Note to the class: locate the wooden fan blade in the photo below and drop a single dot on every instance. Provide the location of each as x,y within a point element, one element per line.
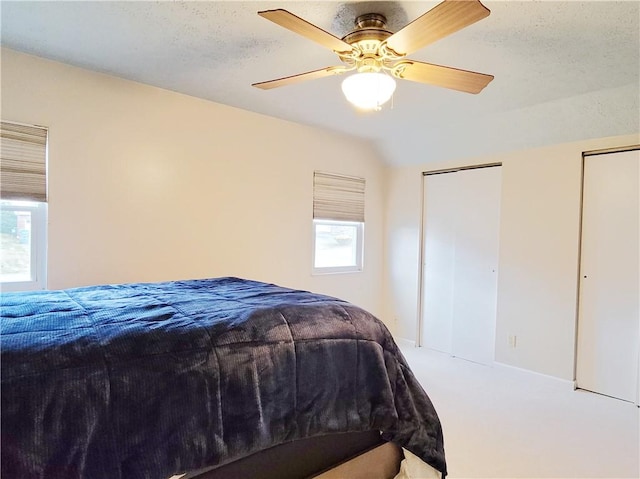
<point>297,25</point>
<point>324,72</point>
<point>442,20</point>
<point>447,77</point>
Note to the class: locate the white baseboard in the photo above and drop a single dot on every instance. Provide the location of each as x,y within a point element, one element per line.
<point>564,382</point>
<point>405,343</point>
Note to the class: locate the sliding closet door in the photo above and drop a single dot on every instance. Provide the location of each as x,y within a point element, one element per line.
<point>460,257</point>
<point>439,253</point>
<point>608,322</point>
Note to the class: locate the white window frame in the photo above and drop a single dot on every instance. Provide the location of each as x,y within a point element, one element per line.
<point>358,267</point>
<point>38,238</point>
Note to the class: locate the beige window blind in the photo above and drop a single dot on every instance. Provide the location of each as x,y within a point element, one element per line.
<point>23,162</point>
<point>337,197</point>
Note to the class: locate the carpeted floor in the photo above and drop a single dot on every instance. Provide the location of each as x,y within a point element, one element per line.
<point>507,423</point>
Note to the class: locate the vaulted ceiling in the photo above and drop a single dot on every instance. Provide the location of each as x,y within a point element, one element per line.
<point>564,71</point>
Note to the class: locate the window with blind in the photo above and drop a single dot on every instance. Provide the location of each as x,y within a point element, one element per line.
<point>23,206</point>
<point>338,223</point>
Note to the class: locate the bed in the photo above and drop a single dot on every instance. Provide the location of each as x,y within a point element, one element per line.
<point>152,380</point>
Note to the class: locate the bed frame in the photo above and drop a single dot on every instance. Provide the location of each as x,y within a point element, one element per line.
<point>325,457</point>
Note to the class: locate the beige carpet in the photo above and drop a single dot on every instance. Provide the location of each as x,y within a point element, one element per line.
<point>506,423</point>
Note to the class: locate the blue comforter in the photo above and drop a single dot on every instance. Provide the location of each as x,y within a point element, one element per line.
<point>149,380</point>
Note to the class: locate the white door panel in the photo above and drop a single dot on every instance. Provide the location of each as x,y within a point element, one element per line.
<point>475,285</point>
<point>609,324</point>
<point>462,211</point>
<point>439,259</point>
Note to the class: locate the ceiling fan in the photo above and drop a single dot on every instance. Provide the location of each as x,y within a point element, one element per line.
<point>378,55</point>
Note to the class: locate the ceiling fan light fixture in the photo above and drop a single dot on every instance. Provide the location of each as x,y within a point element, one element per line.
<point>368,90</point>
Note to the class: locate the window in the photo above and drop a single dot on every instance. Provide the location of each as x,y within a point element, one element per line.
<point>23,207</point>
<point>22,244</point>
<point>338,223</point>
<point>337,246</point>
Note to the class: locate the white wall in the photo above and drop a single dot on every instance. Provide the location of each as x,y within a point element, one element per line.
<point>538,265</point>
<point>148,185</point>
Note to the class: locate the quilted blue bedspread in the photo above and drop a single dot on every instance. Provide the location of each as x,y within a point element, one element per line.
<point>140,381</point>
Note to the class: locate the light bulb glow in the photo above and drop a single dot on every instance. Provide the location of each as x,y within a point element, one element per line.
<point>368,90</point>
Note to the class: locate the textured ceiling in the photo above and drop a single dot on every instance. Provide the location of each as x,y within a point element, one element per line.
<point>564,71</point>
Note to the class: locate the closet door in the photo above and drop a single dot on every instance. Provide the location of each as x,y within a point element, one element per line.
<point>460,257</point>
<point>608,319</point>
<point>439,253</point>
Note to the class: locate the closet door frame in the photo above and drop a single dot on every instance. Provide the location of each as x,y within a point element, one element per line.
<point>423,222</point>
<point>580,272</point>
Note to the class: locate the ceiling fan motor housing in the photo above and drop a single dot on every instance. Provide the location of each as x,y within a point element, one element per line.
<point>367,41</point>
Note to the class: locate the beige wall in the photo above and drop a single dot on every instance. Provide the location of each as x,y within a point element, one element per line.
<point>149,185</point>
<point>538,263</point>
